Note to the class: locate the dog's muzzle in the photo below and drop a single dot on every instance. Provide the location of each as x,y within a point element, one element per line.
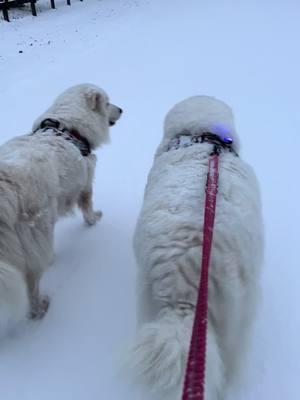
<point>115,115</point>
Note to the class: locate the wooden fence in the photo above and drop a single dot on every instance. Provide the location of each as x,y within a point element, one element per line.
<point>5,5</point>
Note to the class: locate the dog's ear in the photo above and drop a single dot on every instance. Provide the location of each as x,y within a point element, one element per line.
<point>94,100</point>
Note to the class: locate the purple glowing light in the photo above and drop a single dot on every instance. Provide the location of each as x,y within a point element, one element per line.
<point>227,139</point>
<point>223,132</point>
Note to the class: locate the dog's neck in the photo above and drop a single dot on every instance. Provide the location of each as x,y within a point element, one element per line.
<point>186,139</point>
<point>73,136</point>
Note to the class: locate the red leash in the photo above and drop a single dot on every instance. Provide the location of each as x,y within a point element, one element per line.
<point>195,372</point>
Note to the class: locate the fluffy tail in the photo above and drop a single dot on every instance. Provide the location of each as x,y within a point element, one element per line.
<point>160,353</point>
<point>14,301</point>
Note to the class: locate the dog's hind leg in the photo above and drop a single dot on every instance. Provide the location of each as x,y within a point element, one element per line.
<point>14,300</point>
<point>85,203</point>
<point>37,244</point>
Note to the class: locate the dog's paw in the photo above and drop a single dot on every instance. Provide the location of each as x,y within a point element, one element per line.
<point>39,310</point>
<point>92,218</point>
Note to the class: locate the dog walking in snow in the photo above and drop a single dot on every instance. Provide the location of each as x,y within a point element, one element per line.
<point>168,247</point>
<point>44,175</point>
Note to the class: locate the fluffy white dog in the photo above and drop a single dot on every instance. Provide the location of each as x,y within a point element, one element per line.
<point>44,175</point>
<point>168,247</point>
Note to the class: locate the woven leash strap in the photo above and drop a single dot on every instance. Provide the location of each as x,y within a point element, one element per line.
<point>194,384</point>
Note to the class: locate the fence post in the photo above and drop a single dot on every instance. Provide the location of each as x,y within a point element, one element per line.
<point>33,8</point>
<point>5,10</point>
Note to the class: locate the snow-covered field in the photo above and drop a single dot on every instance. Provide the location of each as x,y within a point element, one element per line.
<point>148,55</point>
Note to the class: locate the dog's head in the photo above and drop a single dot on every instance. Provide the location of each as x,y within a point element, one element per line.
<point>85,108</point>
<point>200,114</point>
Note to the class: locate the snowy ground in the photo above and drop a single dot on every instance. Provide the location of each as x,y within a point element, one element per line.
<point>148,55</point>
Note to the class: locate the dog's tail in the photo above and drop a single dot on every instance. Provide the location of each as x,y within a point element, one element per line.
<point>161,348</point>
<point>14,300</point>
<point>160,355</point>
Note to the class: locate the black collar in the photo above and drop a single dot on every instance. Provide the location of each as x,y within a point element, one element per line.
<point>70,135</point>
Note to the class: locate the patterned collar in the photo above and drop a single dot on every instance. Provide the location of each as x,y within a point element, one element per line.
<point>186,140</point>
<point>53,126</point>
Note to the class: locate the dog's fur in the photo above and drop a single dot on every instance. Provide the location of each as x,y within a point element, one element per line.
<point>168,244</point>
<point>43,177</point>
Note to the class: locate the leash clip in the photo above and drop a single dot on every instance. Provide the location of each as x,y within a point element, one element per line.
<point>217,150</point>
<point>218,142</point>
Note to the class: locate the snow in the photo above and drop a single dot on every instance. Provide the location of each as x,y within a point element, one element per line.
<point>149,55</point>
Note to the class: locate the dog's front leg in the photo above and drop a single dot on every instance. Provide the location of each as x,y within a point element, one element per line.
<point>38,304</point>
<point>85,203</point>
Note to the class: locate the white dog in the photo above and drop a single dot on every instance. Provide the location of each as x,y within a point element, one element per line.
<point>168,247</point>
<point>44,175</point>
